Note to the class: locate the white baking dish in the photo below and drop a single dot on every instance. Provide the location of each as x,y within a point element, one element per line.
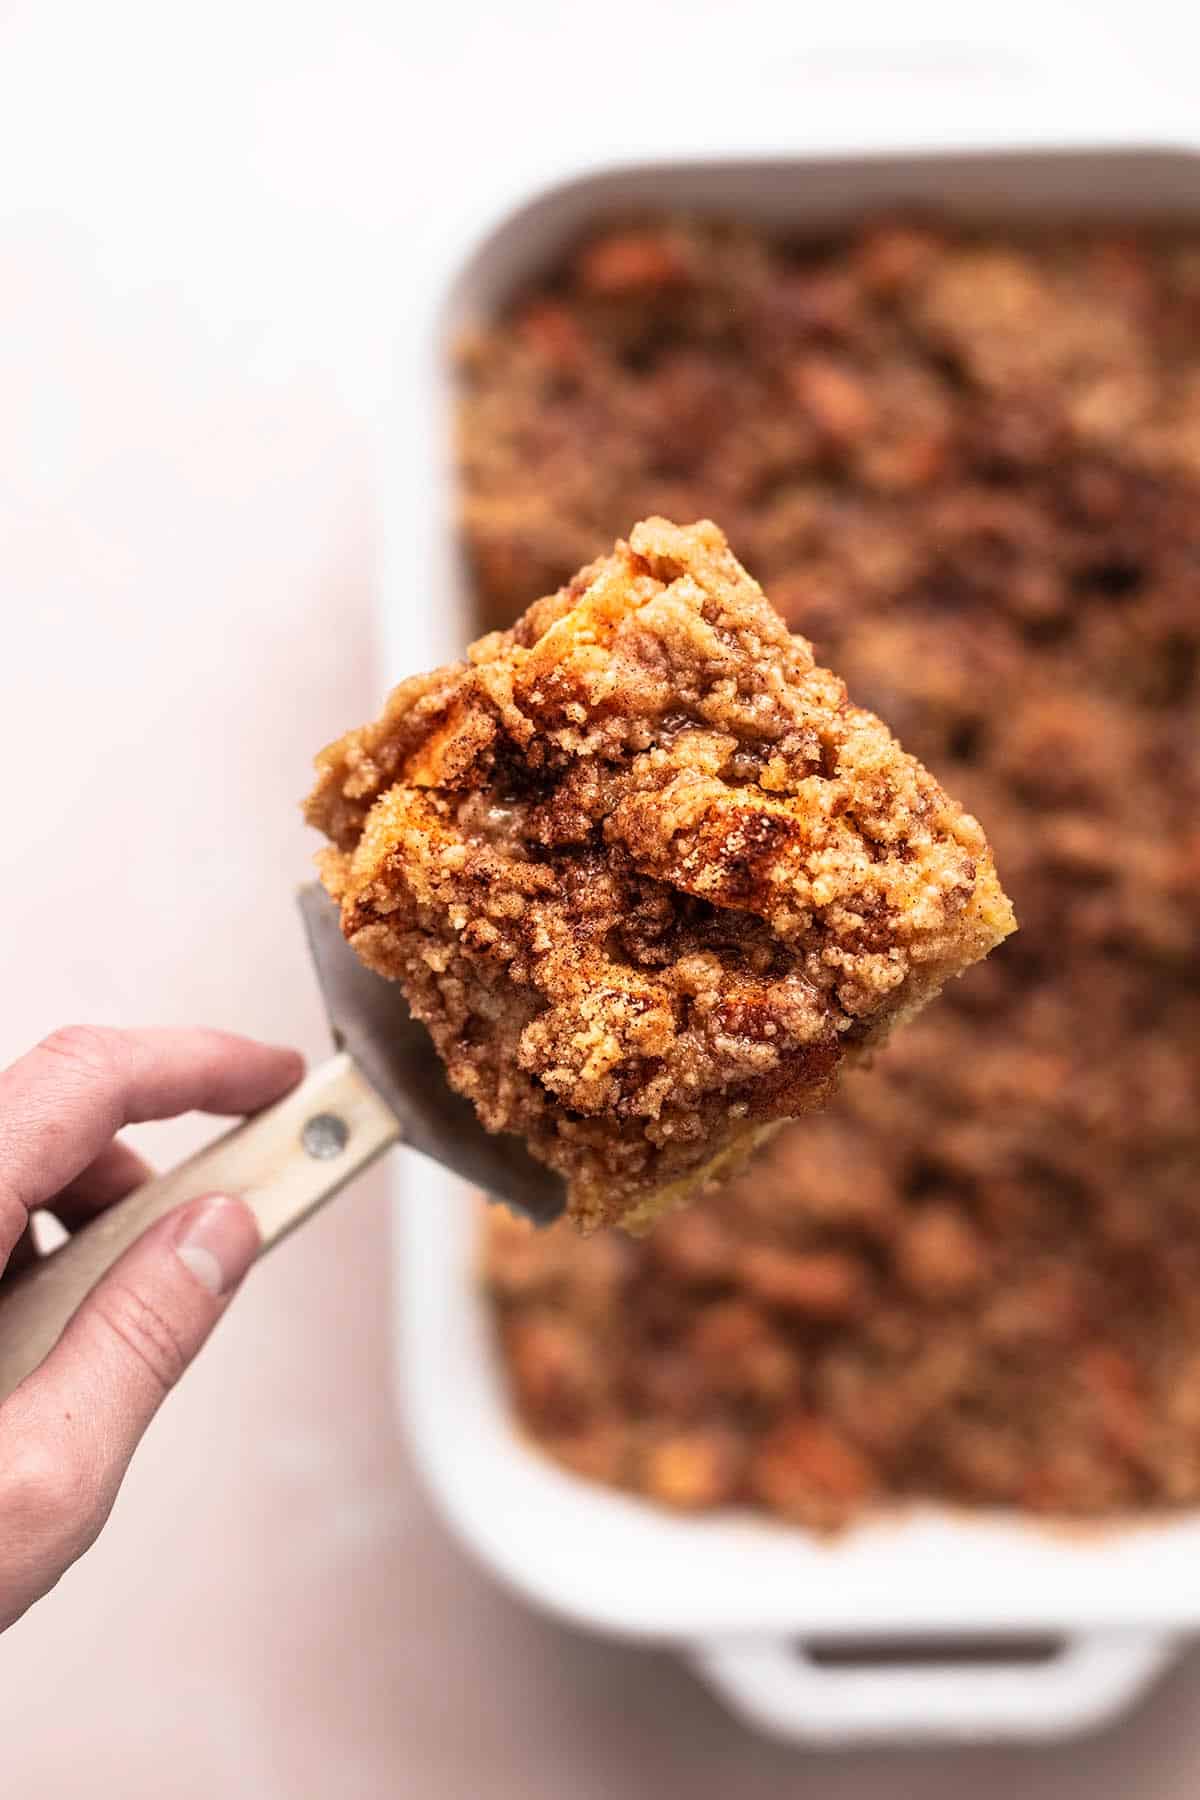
<point>742,1596</point>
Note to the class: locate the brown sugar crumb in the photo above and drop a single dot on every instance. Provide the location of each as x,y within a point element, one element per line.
<point>552,1368</point>
<point>807,1472</point>
<point>939,1255</point>
<point>820,1284</point>
<point>647,874</point>
<point>694,1470</point>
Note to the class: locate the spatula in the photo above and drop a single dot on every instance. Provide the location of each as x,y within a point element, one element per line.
<point>384,1086</point>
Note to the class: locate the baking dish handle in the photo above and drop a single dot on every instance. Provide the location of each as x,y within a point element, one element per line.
<point>777,1687</point>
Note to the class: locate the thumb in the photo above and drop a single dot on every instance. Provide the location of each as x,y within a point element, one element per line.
<point>128,1344</point>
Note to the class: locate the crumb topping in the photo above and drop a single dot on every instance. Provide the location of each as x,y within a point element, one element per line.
<point>966,463</point>
<point>645,872</point>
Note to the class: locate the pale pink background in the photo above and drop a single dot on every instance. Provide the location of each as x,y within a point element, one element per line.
<point>202,222</point>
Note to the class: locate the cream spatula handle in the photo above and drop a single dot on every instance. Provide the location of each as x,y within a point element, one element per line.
<point>283,1162</point>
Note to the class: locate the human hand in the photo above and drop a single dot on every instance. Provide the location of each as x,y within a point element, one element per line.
<point>68,1431</point>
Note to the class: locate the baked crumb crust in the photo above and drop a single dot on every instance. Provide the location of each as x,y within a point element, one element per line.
<point>646,873</point>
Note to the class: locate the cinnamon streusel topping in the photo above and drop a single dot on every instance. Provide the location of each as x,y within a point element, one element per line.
<point>646,873</point>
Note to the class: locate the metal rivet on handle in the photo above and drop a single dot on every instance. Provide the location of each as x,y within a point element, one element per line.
<point>325,1136</point>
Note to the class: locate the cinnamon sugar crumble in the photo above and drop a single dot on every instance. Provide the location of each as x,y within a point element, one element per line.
<point>646,873</point>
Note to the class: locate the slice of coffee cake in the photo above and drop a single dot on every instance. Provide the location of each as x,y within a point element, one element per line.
<point>646,873</point>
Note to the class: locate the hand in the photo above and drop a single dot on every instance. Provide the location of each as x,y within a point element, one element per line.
<point>68,1432</point>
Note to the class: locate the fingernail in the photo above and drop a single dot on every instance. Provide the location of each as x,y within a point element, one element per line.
<point>218,1242</point>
